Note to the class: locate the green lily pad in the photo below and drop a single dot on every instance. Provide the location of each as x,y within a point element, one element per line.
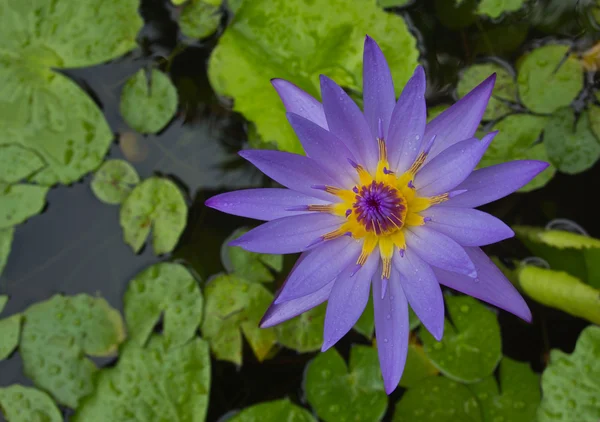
<point>6,238</point>
<point>505,88</point>
<point>148,105</point>
<point>573,148</point>
<point>471,347</point>
<point>517,397</point>
<point>114,180</point>
<point>547,81</point>
<point>418,366</point>
<point>235,306</point>
<point>200,19</point>
<point>339,393</point>
<point>156,203</point>
<point>560,290</point>
<point>20,202</point>
<point>392,3</point>
<point>168,289</point>
<point>517,140</point>
<point>56,337</point>
<point>303,333</point>
<point>10,329</point>
<point>274,411</point>
<point>438,399</point>
<point>155,383</point>
<point>43,110</point>
<point>251,266</point>
<point>25,404</point>
<point>297,40</point>
<point>594,116</point>
<point>18,163</point>
<point>571,383</point>
<point>495,8</point>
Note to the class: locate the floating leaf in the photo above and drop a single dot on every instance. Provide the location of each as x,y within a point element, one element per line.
<point>297,40</point>
<point>3,301</point>
<point>251,266</point>
<point>114,180</point>
<point>303,333</point>
<point>571,383</point>
<point>156,383</point>
<point>517,397</point>
<point>505,89</point>
<point>18,163</point>
<point>573,148</point>
<point>56,337</point>
<point>233,305</point>
<point>393,3</point>
<point>274,411</point>
<point>562,291</point>
<point>10,329</point>
<point>168,289</point>
<point>20,202</point>
<point>25,404</point>
<point>438,399</point>
<point>339,393</point>
<point>471,347</point>
<point>594,116</point>
<point>156,203</point>
<point>200,19</point>
<point>548,79</point>
<point>6,238</point>
<point>148,105</point>
<point>495,8</point>
<point>418,366</point>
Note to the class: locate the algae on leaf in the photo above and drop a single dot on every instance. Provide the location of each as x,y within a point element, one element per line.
<point>273,411</point>
<point>26,404</point>
<point>113,181</point>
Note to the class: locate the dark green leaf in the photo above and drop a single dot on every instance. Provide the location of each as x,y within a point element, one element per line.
<point>303,333</point>
<point>273,411</point>
<point>200,18</point>
<point>114,180</point>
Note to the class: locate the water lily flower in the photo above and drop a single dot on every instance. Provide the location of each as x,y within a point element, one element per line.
<point>382,200</point>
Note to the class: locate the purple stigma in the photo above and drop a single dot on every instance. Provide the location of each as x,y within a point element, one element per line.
<point>348,212</point>
<point>355,189</point>
<point>401,251</point>
<point>410,184</point>
<point>356,268</point>
<point>352,163</point>
<point>319,187</point>
<point>379,207</point>
<point>456,193</point>
<point>315,242</point>
<point>427,219</point>
<point>386,171</point>
<point>429,144</point>
<point>380,128</point>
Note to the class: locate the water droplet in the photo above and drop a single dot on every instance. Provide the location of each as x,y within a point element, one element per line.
<point>326,373</point>
<point>334,408</point>
<point>519,405</point>
<point>385,340</point>
<point>465,308</point>
<point>435,389</point>
<point>54,369</point>
<point>60,315</point>
<point>389,316</point>
<point>571,404</point>
<point>499,419</point>
<point>419,412</point>
<point>483,396</point>
<point>438,346</point>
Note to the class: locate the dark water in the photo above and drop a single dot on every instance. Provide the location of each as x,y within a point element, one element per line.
<point>76,246</point>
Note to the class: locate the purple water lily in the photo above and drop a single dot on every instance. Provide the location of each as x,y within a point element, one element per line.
<point>381,199</point>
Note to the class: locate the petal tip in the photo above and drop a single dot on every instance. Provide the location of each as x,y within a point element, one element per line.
<point>390,387</point>
<point>327,345</point>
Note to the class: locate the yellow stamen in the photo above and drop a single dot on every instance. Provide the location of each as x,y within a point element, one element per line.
<point>414,219</point>
<point>369,245</point>
<point>386,250</point>
<point>322,208</point>
<point>418,163</point>
<point>398,239</point>
<point>336,233</point>
<point>382,150</point>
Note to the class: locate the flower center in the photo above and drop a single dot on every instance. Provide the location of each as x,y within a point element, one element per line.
<point>379,207</point>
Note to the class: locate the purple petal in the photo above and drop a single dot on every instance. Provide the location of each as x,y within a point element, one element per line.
<point>408,123</point>
<point>392,329</point>
<point>452,166</point>
<point>491,183</point>
<point>460,121</point>
<point>289,234</point>
<point>292,171</point>
<point>347,300</point>
<point>326,149</point>
<point>467,226</point>
<point>490,285</point>
<point>438,250</point>
<point>422,291</point>
<point>321,266</point>
<point>378,88</point>
<point>262,204</point>
<point>347,122</point>
<point>299,102</point>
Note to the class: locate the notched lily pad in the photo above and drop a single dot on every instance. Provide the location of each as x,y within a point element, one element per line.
<point>156,203</point>
<point>148,105</point>
<point>471,347</point>
<point>56,337</point>
<point>495,8</point>
<point>6,238</point>
<point>235,306</point>
<point>200,18</point>
<point>10,329</point>
<point>155,383</point>
<point>418,366</point>
<point>20,202</point>
<point>303,333</point>
<point>167,289</point>
<point>18,163</point>
<point>571,383</point>
<point>25,404</point>
<point>342,394</point>
<point>273,411</point>
<point>114,180</point>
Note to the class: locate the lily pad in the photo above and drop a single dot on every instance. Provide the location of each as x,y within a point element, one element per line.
<point>167,289</point>
<point>571,383</point>
<point>235,306</point>
<point>562,291</point>
<point>517,397</point>
<point>274,411</point>
<point>303,333</point>
<point>10,329</point>
<point>393,3</point>
<point>495,8</point>
<point>341,394</point>
<point>297,40</point>
<point>148,105</point>
<point>56,337</point>
<point>200,18</point>
<point>6,238</point>
<point>18,163</point>
<point>438,399</point>
<point>548,79</point>
<point>594,116</point>
<point>471,347</point>
<point>571,146</point>
<point>155,383</point>
<point>251,266</point>
<point>418,366</point>
<point>505,89</point>
<point>25,404</point>
<point>518,140</point>
<point>114,180</point>
<point>156,203</point>
<point>3,301</point>
<point>20,202</point>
